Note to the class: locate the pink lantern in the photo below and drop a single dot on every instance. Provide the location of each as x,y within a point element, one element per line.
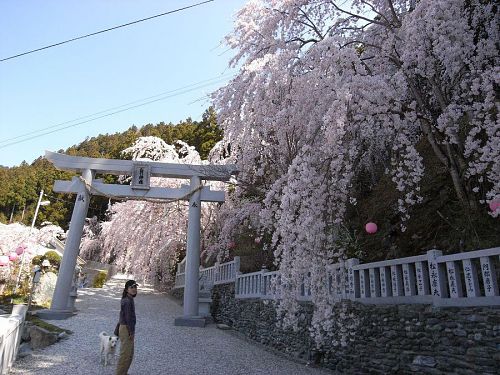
<point>371,228</point>
<point>4,260</point>
<point>20,250</point>
<point>12,256</point>
<point>494,205</point>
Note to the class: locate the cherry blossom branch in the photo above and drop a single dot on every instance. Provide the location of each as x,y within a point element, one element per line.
<point>357,15</point>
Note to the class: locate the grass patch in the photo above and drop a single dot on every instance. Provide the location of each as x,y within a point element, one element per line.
<point>100,279</point>
<point>43,324</point>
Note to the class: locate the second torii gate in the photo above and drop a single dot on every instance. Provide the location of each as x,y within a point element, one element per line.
<point>141,171</point>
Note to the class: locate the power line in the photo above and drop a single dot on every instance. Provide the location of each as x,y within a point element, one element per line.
<point>103,31</point>
<point>181,90</point>
<point>106,115</point>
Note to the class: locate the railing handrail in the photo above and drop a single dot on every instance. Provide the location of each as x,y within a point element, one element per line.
<point>469,255</point>
<point>391,262</point>
<point>251,274</point>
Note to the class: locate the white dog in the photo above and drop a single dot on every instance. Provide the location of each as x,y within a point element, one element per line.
<point>108,347</point>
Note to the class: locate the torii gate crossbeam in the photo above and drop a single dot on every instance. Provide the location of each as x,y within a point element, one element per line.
<point>86,186</point>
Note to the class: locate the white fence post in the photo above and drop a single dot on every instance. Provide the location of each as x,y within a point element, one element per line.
<point>454,280</point>
<point>396,281</point>
<point>471,280</point>
<point>436,274</point>
<point>216,272</point>
<point>385,282</point>
<point>374,274</point>
<point>409,279</point>
<point>262,284</point>
<point>489,277</point>
<point>364,286</point>
<point>237,272</point>
<point>422,279</point>
<point>353,281</point>
<point>237,265</point>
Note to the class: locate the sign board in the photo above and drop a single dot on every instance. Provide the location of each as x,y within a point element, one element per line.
<point>141,176</point>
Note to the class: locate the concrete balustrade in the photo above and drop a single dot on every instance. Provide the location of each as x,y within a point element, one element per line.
<point>464,279</point>
<point>217,274</point>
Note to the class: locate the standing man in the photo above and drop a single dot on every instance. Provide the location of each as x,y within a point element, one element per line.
<point>127,327</point>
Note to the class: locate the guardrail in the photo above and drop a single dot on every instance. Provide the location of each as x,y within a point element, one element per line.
<point>10,336</point>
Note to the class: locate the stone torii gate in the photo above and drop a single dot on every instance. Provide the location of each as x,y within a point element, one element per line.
<point>141,171</point>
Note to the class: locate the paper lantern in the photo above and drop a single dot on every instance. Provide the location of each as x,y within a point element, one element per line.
<point>494,205</point>
<point>371,228</point>
<point>20,250</point>
<point>12,256</point>
<point>4,260</point>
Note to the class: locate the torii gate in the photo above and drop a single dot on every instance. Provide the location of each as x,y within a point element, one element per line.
<point>140,171</point>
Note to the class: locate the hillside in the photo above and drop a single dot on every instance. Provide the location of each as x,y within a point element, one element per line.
<point>21,184</point>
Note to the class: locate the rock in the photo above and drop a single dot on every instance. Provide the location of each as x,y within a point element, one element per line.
<point>24,350</point>
<point>25,333</point>
<point>43,291</point>
<point>476,318</point>
<point>422,360</point>
<point>63,335</point>
<point>459,332</point>
<point>41,338</point>
<point>222,326</point>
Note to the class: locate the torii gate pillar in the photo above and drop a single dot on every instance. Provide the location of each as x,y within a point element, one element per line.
<point>191,317</point>
<point>60,308</point>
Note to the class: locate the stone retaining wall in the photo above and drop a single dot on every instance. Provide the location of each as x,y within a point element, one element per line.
<point>390,339</point>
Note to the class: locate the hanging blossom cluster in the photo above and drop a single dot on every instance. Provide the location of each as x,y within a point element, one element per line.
<point>33,241</point>
<point>328,91</point>
<point>145,238</point>
<point>15,235</point>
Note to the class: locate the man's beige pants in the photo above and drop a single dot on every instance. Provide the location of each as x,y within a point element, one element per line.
<point>126,351</point>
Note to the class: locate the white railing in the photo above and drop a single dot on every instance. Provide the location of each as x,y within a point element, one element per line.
<point>261,284</point>
<point>217,274</point>
<point>10,336</point>
<point>465,279</point>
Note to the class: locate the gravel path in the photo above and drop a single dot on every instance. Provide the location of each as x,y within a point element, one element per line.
<point>160,349</point>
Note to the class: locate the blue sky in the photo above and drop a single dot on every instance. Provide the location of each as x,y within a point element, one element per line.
<point>59,84</point>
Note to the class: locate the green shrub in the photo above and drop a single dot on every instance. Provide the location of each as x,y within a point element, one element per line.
<point>99,279</point>
<point>37,260</point>
<point>53,258</point>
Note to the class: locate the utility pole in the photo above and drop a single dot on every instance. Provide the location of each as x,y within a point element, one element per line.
<point>40,203</point>
<point>12,213</point>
